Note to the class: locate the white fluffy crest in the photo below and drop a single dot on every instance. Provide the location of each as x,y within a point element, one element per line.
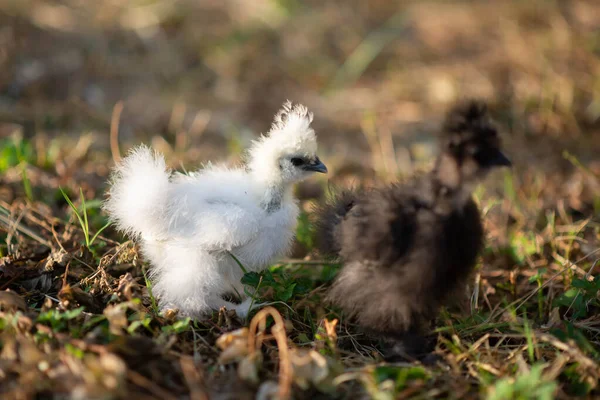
<point>189,225</point>
<point>288,113</point>
<point>290,134</point>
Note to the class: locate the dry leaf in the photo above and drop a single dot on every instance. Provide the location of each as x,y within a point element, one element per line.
<point>267,391</point>
<point>234,346</point>
<point>59,257</point>
<point>117,318</point>
<point>249,366</point>
<point>128,288</point>
<point>10,301</point>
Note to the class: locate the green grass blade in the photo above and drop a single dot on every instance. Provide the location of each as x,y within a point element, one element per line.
<point>255,294</point>
<point>85,218</point>
<point>529,338</point>
<point>149,287</point>
<point>24,176</point>
<point>26,181</point>
<point>238,262</point>
<point>99,231</point>
<point>577,164</point>
<point>93,203</point>
<point>81,223</point>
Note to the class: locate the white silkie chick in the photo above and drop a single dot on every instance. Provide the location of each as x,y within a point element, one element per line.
<point>188,226</point>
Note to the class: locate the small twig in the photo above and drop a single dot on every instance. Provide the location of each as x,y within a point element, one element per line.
<point>86,264</point>
<point>146,383</point>
<point>54,299</point>
<point>572,351</point>
<point>305,262</point>
<point>11,228</point>
<point>25,230</point>
<point>522,301</point>
<point>114,131</point>
<point>55,236</point>
<point>194,379</point>
<point>475,294</point>
<point>10,281</point>
<point>256,337</point>
<point>118,250</point>
<point>65,275</point>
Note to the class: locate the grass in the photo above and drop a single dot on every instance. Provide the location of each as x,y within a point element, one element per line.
<point>530,385</point>
<point>77,312</point>
<point>82,217</point>
<point>532,335</point>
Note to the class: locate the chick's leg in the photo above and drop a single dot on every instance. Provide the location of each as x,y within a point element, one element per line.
<point>246,306</point>
<point>415,343</point>
<point>242,309</point>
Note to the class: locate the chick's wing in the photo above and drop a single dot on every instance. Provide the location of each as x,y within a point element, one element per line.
<point>213,224</point>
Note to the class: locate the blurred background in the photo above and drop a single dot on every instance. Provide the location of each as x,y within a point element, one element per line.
<point>84,80</point>
<point>200,78</point>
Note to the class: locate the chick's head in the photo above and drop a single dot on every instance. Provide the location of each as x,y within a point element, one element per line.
<point>288,153</point>
<point>471,146</point>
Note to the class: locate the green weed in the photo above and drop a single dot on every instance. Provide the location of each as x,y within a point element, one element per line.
<point>529,386</point>
<point>82,217</point>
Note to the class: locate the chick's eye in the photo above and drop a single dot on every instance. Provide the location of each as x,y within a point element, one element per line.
<point>481,156</point>
<point>297,161</point>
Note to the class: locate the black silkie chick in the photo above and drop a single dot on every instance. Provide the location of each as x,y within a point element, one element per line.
<point>407,248</point>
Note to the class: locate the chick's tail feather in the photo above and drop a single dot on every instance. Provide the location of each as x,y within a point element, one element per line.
<point>139,193</point>
<point>328,218</point>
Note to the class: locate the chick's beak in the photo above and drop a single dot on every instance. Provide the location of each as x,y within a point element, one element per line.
<point>316,166</point>
<point>498,159</point>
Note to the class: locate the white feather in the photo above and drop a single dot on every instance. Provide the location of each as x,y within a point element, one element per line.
<point>138,193</point>
<point>189,225</point>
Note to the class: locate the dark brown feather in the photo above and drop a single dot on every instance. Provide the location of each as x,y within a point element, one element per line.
<point>327,219</point>
<point>402,259</point>
<point>408,249</point>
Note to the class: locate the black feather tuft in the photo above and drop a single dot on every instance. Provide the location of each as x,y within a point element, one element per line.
<point>468,132</point>
<point>468,116</point>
